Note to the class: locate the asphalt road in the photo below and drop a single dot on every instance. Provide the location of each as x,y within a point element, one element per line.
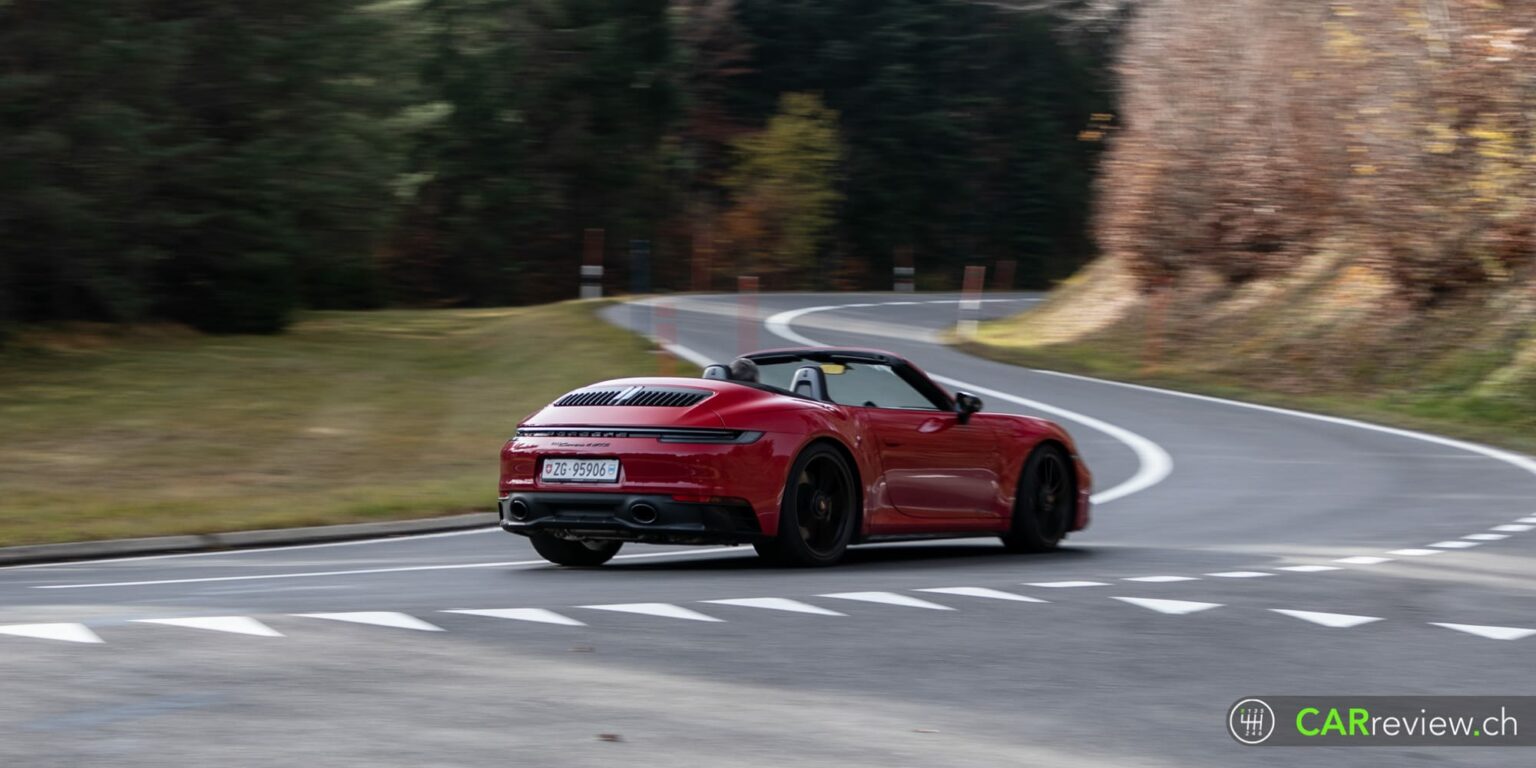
<point>1235,551</point>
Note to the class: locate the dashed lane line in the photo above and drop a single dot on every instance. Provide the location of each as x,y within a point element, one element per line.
<point>1364,560</point>
<point>1415,552</point>
<point>888,598</point>
<point>1492,633</point>
<point>664,610</point>
<point>776,604</point>
<point>1239,574</point>
<point>1308,568</point>
<point>246,625</point>
<point>1173,607</point>
<point>69,633</point>
<point>239,625</point>
<point>1066,584</point>
<point>376,618</point>
<point>983,592</point>
<point>538,615</point>
<point>1160,579</point>
<point>1331,620</point>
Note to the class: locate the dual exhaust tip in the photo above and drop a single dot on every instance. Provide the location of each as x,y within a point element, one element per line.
<point>643,513</point>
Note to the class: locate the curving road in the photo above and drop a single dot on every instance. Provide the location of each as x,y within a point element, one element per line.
<point>1236,551</point>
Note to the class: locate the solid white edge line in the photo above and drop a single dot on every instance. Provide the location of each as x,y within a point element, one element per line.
<point>1154,463</point>
<point>252,550</point>
<point>368,571</point>
<point>1514,459</point>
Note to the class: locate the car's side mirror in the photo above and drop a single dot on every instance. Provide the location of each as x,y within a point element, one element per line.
<point>965,405</point>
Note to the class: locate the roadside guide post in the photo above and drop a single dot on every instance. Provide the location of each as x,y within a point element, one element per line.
<point>592,264</point>
<point>970,301</point>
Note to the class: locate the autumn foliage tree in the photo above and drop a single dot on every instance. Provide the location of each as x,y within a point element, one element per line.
<point>784,193</point>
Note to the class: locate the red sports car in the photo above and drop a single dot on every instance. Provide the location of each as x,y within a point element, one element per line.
<point>799,452</point>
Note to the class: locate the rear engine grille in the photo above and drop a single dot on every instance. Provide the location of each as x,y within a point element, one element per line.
<point>664,434</point>
<point>643,397</point>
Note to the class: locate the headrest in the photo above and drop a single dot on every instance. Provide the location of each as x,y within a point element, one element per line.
<point>717,372</point>
<point>811,382</point>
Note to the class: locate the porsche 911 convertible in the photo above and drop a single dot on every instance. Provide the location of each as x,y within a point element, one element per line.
<point>798,452</point>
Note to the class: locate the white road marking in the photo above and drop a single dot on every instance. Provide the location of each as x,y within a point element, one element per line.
<point>1455,544</point>
<point>1065,584</point>
<point>1174,607</point>
<point>888,598</point>
<point>1416,552</point>
<point>1364,560</point>
<point>254,550</point>
<point>664,610</point>
<point>1486,536</point>
<point>1160,579</point>
<point>540,615</point>
<point>777,604</point>
<point>240,625</point>
<point>1240,574</point>
<point>1335,620</point>
<point>1513,459</point>
<point>994,594</point>
<point>69,633</point>
<point>1512,528</point>
<point>1308,568</point>
<point>1526,520</point>
<point>365,571</point>
<point>376,618</point>
<point>1492,633</point>
<point>1154,463</point>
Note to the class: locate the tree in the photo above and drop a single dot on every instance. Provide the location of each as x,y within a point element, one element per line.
<point>785,192</point>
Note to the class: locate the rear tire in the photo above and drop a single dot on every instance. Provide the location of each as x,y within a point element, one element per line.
<point>817,515</point>
<point>574,553</point>
<point>1045,504</point>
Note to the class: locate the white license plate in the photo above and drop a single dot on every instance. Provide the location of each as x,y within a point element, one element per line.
<point>580,471</point>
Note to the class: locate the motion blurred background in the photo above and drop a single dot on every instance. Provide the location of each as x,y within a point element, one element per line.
<point>1323,203</point>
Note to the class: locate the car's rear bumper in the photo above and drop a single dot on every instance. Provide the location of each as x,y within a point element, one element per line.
<point>647,518</point>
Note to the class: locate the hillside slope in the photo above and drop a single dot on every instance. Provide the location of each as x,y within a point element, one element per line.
<point>1333,202</point>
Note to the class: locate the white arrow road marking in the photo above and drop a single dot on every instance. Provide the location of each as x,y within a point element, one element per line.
<point>664,610</point>
<point>1240,574</point>
<point>1492,633</point>
<point>1160,579</point>
<point>525,614</point>
<point>240,625</point>
<point>1512,528</point>
<point>1457,544</point>
<point>1364,560</point>
<point>1416,552</point>
<point>69,633</point>
<point>889,598</point>
<point>1309,568</point>
<point>377,618</point>
<point>1338,620</point>
<point>1486,536</point>
<point>1065,584</point>
<point>995,594</point>
<point>1175,607</point>
<point>777,604</point>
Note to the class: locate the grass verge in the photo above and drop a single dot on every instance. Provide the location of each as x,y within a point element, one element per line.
<point>347,417</point>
